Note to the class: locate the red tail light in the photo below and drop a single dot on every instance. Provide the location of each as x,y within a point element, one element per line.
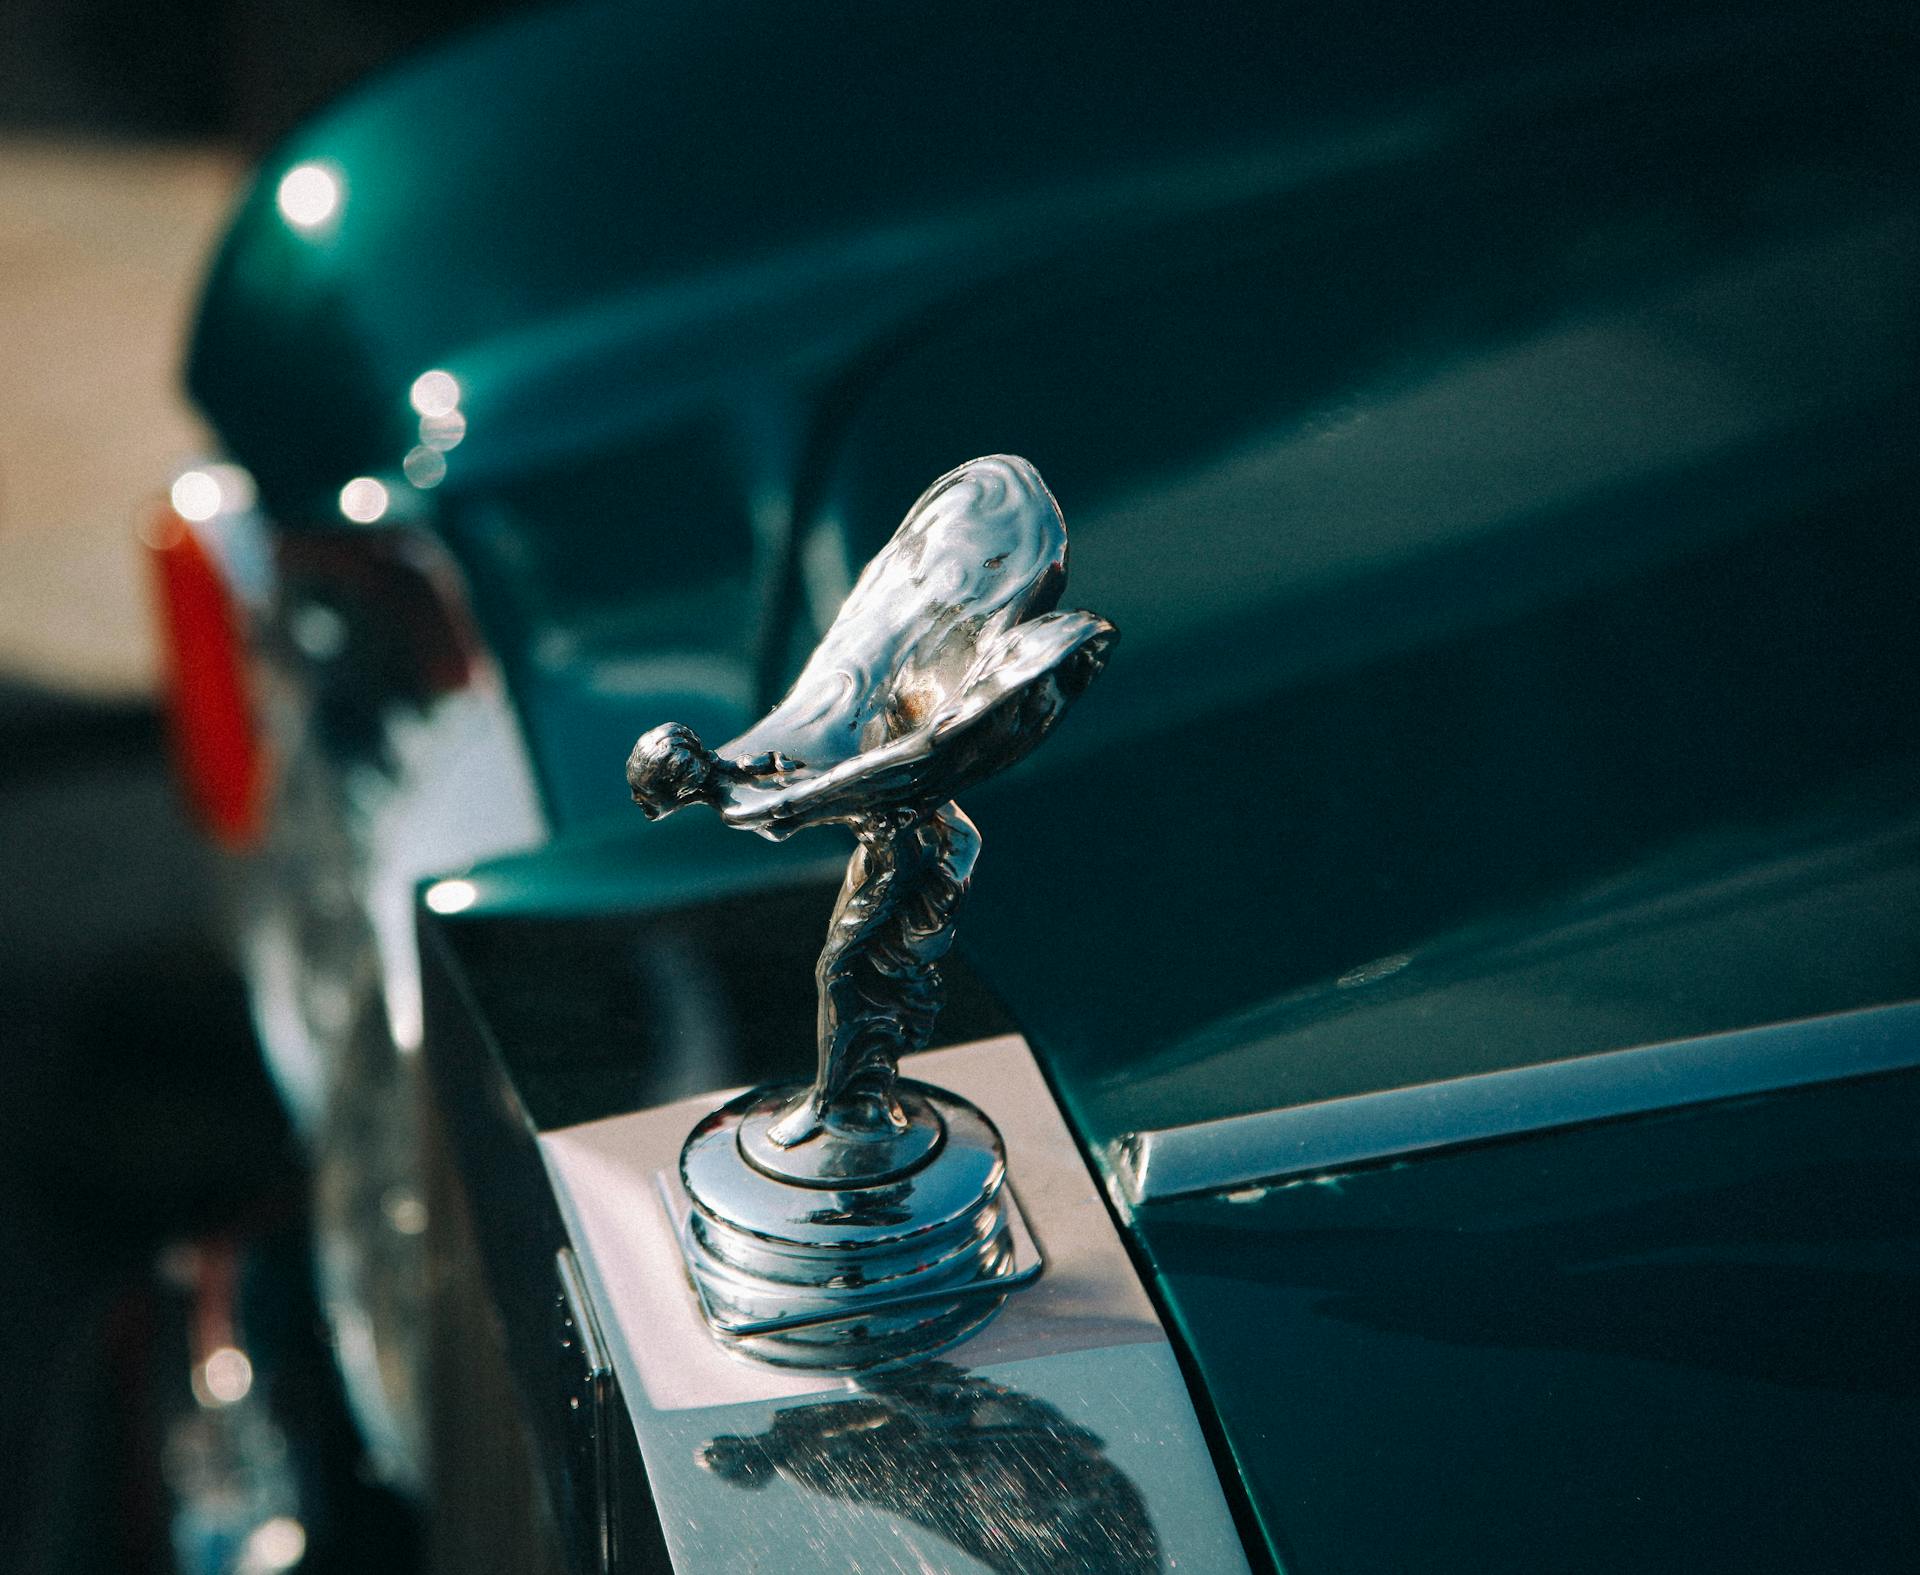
<point>218,750</point>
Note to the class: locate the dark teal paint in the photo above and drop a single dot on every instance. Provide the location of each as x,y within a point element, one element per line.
<point>668,245</point>
<point>597,1013</point>
<point>1521,587</point>
<point>1678,804</point>
<point>1683,1343</point>
<point>680,863</point>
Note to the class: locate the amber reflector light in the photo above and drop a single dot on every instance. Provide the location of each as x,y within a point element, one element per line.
<point>218,753</point>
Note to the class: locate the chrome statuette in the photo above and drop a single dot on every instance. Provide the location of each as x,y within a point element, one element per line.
<point>829,1203</point>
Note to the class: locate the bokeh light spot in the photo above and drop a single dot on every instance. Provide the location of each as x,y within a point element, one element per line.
<point>452,896</point>
<point>363,500</point>
<point>226,1377</point>
<point>196,496</point>
<point>309,195</point>
<point>425,467</point>
<point>273,1545</point>
<point>435,393</point>
<point>443,432</point>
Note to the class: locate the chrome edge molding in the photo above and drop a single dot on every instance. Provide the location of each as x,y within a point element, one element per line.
<point>596,1373</point>
<point>1339,1134</point>
<point>1061,1434</point>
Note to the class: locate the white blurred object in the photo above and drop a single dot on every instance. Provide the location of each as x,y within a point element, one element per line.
<point>105,247</point>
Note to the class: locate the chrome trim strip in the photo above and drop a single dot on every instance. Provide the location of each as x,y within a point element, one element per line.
<point>597,1370</point>
<point>1339,1134</point>
<point>586,1322</point>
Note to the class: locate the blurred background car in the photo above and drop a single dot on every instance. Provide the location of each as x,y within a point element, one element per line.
<point>140,1139</point>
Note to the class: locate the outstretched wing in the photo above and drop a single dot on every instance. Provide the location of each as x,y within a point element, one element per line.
<point>982,550</point>
<point>1021,683</point>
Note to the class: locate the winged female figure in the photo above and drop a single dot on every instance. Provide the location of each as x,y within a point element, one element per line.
<point>947,664</point>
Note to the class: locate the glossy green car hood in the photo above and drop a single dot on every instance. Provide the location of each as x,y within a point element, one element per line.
<point>598,217</point>
<point>1492,434</point>
<point>1669,1344</point>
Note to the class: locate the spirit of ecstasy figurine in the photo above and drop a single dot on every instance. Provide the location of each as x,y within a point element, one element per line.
<point>818,1203</point>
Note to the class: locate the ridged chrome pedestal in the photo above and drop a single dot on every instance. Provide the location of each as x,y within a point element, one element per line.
<point>852,1248</point>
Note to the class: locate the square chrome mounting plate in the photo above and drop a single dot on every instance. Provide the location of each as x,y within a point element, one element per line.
<point>1079,1345</point>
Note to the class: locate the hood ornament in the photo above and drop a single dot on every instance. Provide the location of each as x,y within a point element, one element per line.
<point>823,1206</point>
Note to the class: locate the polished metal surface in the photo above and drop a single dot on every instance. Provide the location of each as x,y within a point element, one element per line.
<point>583,1325</point>
<point>947,663</point>
<point>1059,1435</point>
<point>1337,1134</point>
<point>580,1313</point>
<point>927,1238</point>
<point>857,1323</point>
<point>953,1436</point>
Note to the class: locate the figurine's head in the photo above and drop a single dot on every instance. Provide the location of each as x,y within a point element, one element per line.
<point>670,768</point>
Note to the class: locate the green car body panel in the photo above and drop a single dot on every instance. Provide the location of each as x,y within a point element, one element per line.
<point>1491,431</point>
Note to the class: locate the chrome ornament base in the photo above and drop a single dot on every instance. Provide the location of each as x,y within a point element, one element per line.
<point>859,1146</point>
<point>877,1266</point>
<point>1002,1442</point>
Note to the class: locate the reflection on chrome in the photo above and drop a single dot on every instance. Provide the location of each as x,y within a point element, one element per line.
<point>1003,1476</point>
<point>309,195</point>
